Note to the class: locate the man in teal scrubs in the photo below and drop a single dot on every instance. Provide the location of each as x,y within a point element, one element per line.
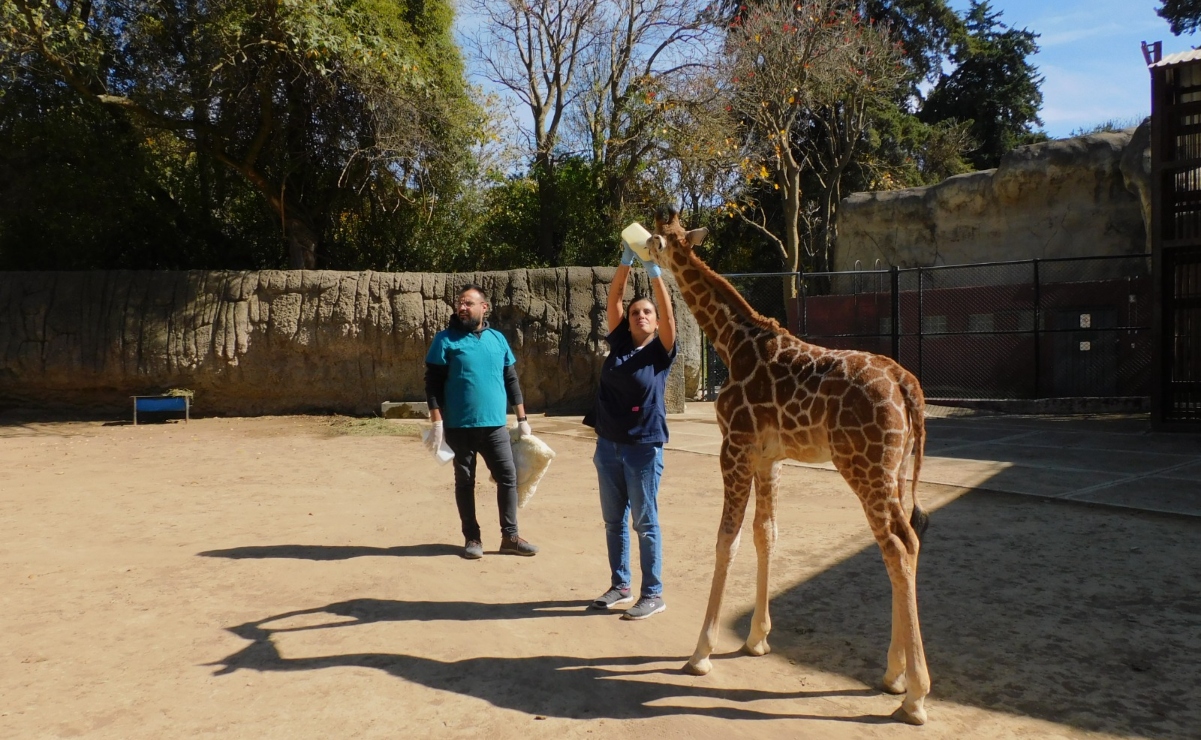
<point>470,379</point>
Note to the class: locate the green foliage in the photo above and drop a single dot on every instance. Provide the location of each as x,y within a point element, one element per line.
<point>588,236</point>
<point>151,134</point>
<point>926,30</point>
<point>993,85</point>
<point>505,231</point>
<point>82,189</point>
<point>904,152</point>
<point>340,124</point>
<point>1108,126</point>
<point>1183,16</point>
<point>507,228</point>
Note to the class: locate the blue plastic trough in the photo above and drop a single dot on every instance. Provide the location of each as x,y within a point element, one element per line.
<point>161,403</point>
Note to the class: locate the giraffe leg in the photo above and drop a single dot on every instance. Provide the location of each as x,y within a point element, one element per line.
<point>899,546</point>
<point>879,490</point>
<point>894,675</point>
<point>766,480</point>
<point>737,481</point>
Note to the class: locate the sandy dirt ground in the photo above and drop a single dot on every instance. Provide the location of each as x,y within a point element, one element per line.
<point>283,578</point>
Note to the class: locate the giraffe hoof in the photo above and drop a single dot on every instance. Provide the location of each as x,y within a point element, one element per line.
<point>916,716</point>
<point>698,667</point>
<point>897,685</point>
<point>758,648</point>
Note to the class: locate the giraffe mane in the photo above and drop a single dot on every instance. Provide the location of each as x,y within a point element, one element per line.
<point>731,295</point>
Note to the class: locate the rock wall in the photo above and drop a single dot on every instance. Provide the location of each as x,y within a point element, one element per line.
<point>1077,197</point>
<point>287,341</point>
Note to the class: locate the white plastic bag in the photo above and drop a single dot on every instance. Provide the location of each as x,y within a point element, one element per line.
<point>531,457</point>
<point>444,453</point>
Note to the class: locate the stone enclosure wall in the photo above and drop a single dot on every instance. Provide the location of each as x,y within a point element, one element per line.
<point>290,341</point>
<point>1084,196</point>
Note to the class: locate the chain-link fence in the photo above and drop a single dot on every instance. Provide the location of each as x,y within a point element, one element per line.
<point>1045,328</point>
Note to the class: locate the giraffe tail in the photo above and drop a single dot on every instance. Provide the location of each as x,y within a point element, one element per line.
<point>915,405</point>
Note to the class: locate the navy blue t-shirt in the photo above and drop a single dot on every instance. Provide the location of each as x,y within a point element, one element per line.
<point>629,403</point>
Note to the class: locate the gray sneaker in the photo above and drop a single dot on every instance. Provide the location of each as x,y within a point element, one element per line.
<point>473,550</point>
<point>611,598</point>
<point>517,546</point>
<point>647,606</point>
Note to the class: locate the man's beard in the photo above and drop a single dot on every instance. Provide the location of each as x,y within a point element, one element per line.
<point>469,325</point>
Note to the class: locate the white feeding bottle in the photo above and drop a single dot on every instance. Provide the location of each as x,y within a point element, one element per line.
<point>636,237</point>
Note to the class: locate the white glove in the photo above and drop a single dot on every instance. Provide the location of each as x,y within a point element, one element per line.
<point>524,428</point>
<point>433,440</point>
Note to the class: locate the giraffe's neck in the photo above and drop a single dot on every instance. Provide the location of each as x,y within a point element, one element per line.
<point>719,309</point>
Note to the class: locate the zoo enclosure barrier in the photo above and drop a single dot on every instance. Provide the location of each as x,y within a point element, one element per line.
<point>1024,329</point>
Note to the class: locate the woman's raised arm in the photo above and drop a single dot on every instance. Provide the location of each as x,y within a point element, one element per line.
<point>617,289</point>
<point>667,316</point>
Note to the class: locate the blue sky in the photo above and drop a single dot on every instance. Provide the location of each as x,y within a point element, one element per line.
<point>1090,56</point>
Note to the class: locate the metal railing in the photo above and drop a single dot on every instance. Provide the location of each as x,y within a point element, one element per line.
<point>1040,328</point>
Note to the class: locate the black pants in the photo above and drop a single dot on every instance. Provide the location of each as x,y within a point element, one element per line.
<point>494,445</point>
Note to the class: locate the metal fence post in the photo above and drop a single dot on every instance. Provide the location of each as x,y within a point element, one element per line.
<point>921,318</point>
<point>894,276</point>
<point>1038,351</point>
<point>804,304</point>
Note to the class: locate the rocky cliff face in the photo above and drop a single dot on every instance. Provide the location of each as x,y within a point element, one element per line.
<point>286,341</point>
<point>1076,197</point>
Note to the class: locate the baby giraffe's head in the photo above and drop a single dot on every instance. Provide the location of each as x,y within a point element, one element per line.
<point>671,244</point>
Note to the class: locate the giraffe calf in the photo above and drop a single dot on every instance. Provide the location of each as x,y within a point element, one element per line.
<point>786,398</point>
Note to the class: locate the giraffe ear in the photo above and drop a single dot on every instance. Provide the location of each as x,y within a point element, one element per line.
<point>696,236</point>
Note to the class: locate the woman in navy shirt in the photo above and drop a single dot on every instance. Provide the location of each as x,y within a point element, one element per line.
<point>631,427</point>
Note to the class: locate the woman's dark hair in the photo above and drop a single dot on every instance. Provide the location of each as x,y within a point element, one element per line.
<point>639,299</point>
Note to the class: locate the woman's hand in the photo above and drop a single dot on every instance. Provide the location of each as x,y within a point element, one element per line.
<point>628,256</point>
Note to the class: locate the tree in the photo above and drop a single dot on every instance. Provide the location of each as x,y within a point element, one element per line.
<point>805,78</point>
<point>927,30</point>
<point>535,50</point>
<point>81,189</point>
<point>1183,16</point>
<point>993,85</point>
<point>335,112</point>
<point>631,80</point>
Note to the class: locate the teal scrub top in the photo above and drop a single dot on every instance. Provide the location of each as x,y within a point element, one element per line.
<point>475,382</point>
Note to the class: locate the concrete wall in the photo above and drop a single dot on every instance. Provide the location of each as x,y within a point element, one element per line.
<point>1083,196</point>
<point>285,341</point>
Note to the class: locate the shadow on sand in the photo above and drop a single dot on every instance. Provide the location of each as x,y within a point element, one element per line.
<point>1079,615</point>
<point>333,552</point>
<point>550,685</point>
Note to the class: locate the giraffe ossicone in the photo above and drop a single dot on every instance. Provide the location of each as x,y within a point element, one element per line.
<point>786,398</point>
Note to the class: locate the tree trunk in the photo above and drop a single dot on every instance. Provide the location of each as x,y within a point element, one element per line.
<point>302,244</point>
<point>792,237</point>
<point>550,246</point>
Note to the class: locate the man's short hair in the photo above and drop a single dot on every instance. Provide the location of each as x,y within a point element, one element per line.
<point>477,289</point>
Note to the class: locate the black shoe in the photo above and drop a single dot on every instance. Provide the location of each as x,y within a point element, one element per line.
<point>517,546</point>
<point>611,598</point>
<point>473,550</point>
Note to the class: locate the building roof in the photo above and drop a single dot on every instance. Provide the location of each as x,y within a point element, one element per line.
<point>1192,55</point>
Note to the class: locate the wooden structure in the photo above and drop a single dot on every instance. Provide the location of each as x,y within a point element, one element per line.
<point>1176,237</point>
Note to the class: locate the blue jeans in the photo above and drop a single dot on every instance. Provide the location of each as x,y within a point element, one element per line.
<point>629,483</point>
